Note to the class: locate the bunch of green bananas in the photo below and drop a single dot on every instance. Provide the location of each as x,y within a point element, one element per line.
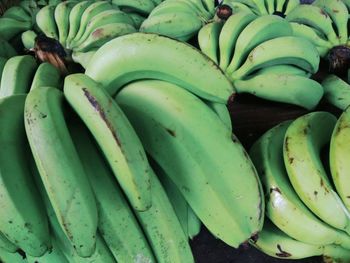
<point>262,7</point>
<point>261,56</point>
<point>81,27</point>
<point>307,215</point>
<point>17,19</point>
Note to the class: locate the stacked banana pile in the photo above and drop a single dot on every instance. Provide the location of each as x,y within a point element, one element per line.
<point>308,210</point>
<point>124,158</point>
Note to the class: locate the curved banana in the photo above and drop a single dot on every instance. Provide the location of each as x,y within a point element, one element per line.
<point>61,15</point>
<point>283,206</point>
<point>104,18</point>
<point>114,134</point>
<point>92,10</point>
<point>270,6</point>
<point>316,17</point>
<point>230,31</point>
<point>302,145</point>
<point>18,13</point>
<point>45,20</point>
<point>17,75</point>
<point>312,34</point>
<point>260,30</point>
<point>46,75</point>
<point>103,34</point>
<point>339,13</point>
<point>287,88</point>
<point>22,218</point>
<point>336,91</point>
<point>291,5</point>
<point>276,243</point>
<point>163,229</point>
<point>10,27</point>
<point>65,180</point>
<point>339,152</point>
<point>113,66</point>
<point>55,255</point>
<point>75,18</point>
<point>208,40</point>
<point>175,197</point>
<point>284,70</point>
<point>169,127</point>
<point>222,111</point>
<point>117,223</point>
<point>260,4</point>
<point>6,244</point>
<point>296,51</point>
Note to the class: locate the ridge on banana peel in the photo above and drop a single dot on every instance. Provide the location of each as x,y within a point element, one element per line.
<point>115,136</point>
<point>127,58</point>
<point>302,146</point>
<point>283,206</point>
<point>177,130</point>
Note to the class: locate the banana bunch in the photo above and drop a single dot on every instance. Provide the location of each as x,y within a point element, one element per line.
<point>262,7</point>
<point>16,19</point>
<point>179,19</point>
<point>325,24</point>
<point>307,215</point>
<point>261,56</point>
<point>82,27</point>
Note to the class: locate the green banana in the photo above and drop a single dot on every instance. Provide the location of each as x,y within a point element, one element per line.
<point>338,156</point>
<point>296,51</point>
<point>22,219</point>
<point>283,206</point>
<point>117,224</point>
<point>8,257</point>
<point>302,145</point>
<point>293,89</point>
<point>17,75</point>
<point>113,67</point>
<point>45,20</point>
<point>74,20</point>
<point>284,70</point>
<point>55,255</point>
<point>143,7</point>
<point>46,75</point>
<point>83,58</point>
<point>176,199</point>
<point>65,181</point>
<point>115,135</point>
<point>163,229</point>
<point>92,10</point>
<point>28,39</point>
<point>103,34</point>
<point>260,30</point>
<point>339,13</point>
<point>10,27</point>
<point>175,133</point>
<point>229,34</point>
<point>102,19</point>
<point>336,91</point>
<point>291,5</point>
<point>276,243</point>
<point>312,34</point>
<point>316,17</point>
<point>208,40</point>
<point>240,6</point>
<point>194,224</point>
<point>270,6</point>
<point>6,50</point>
<point>61,15</point>
<point>6,244</point>
<point>222,111</point>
